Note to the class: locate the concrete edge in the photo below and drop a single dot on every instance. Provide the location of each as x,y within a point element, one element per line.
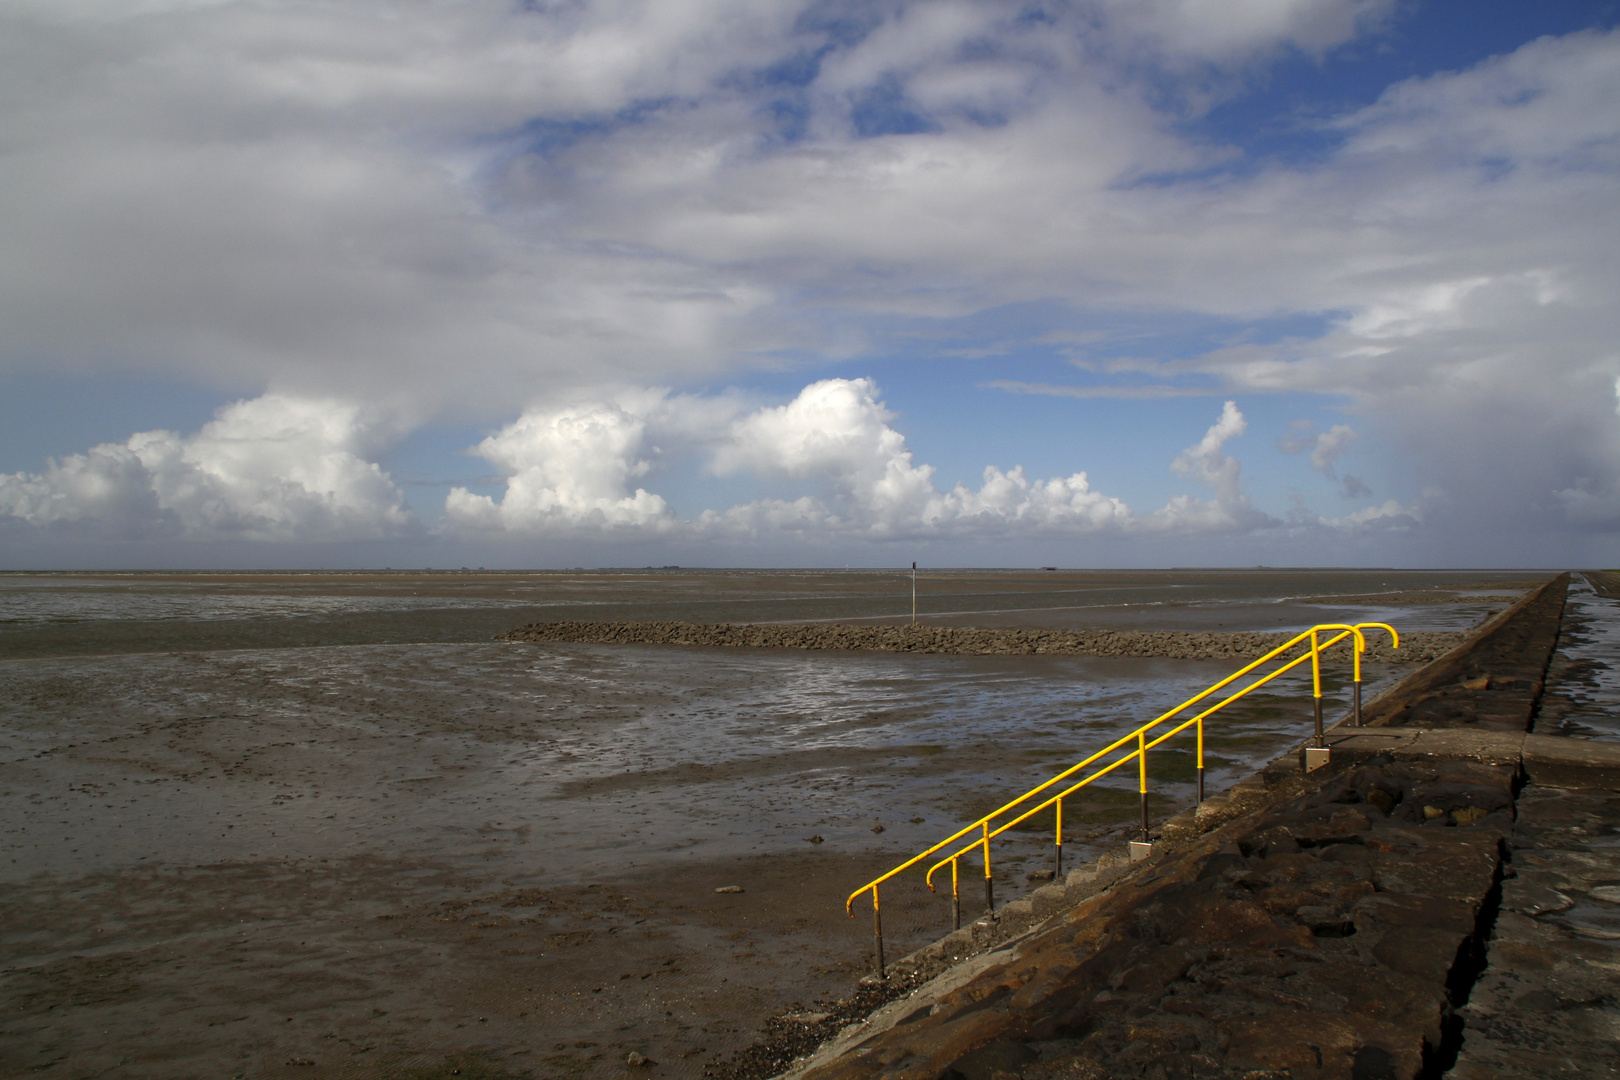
<point>1559,761</point>
<point>1378,711</point>
<point>1252,794</point>
<point>1548,760</point>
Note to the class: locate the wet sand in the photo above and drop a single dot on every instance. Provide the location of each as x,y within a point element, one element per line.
<point>358,858</point>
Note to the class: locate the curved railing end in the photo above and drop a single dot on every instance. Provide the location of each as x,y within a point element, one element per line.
<point>1394,635</point>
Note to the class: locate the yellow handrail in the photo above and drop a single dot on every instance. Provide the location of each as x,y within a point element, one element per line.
<point>1139,754</point>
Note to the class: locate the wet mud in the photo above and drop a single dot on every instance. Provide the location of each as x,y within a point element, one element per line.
<point>317,826</point>
<point>368,860</point>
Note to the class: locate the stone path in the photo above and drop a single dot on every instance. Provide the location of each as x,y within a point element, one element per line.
<point>1546,1003</point>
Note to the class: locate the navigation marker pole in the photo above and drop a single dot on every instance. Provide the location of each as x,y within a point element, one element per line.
<point>913,593</point>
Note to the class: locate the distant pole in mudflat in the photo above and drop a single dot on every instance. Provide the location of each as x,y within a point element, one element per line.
<point>914,593</point>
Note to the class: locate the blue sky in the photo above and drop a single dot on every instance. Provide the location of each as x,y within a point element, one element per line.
<point>775,283</point>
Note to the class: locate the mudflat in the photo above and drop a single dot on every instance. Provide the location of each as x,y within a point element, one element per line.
<point>251,832</point>
<point>81,614</point>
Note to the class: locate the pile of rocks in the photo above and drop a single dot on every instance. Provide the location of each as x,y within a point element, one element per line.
<point>1420,647</point>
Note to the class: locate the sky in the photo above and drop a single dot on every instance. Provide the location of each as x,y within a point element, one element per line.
<point>444,283</point>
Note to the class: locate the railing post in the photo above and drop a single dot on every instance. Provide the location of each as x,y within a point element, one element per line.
<point>1057,870</point>
<point>1141,772</point>
<point>1355,693</point>
<point>877,931</point>
<point>1200,759</point>
<point>956,900</point>
<point>989,883</point>
<point>1316,686</point>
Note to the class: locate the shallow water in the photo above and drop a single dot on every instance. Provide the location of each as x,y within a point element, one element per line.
<point>603,758</point>
<point>1586,671</point>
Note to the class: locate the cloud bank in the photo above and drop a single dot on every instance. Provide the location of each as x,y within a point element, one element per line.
<point>278,468</point>
<point>467,206</point>
<point>286,469</point>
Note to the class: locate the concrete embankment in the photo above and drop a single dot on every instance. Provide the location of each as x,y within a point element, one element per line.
<point>1382,917</point>
<point>1492,680</point>
<point>1420,647</point>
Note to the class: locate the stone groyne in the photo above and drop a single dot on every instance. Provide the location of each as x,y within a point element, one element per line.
<point>1492,681</point>
<point>1420,647</point>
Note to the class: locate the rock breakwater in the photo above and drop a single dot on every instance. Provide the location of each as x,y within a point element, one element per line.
<point>1418,647</point>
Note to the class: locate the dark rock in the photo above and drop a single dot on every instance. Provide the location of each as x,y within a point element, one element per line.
<point>1314,939</point>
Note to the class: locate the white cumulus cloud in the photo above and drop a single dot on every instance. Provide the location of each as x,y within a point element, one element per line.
<point>274,468</point>
<point>565,469</point>
<point>839,432</point>
<point>580,467</point>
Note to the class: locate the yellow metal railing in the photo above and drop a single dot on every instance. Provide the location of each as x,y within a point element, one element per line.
<point>988,830</point>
